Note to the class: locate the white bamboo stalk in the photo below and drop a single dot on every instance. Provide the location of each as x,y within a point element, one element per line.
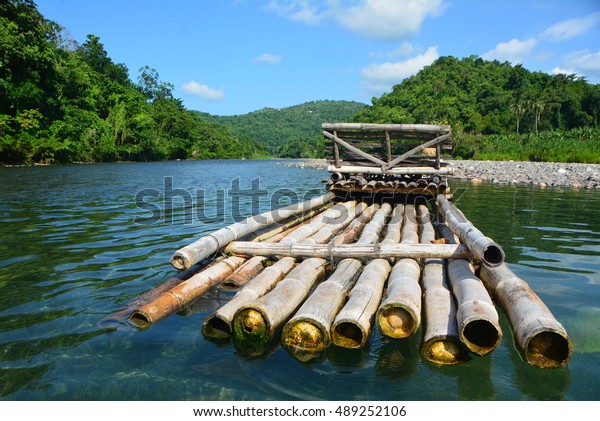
<point>477,318</point>
<point>482,247</point>
<point>441,343</point>
<point>354,250</point>
<point>540,338</point>
<point>208,245</point>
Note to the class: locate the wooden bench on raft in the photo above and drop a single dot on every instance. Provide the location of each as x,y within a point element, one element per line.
<point>396,158</point>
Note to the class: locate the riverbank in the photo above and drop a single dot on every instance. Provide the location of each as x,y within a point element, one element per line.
<point>541,174</point>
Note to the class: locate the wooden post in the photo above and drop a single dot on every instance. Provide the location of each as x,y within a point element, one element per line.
<point>477,318</point>
<point>208,245</point>
<point>540,338</point>
<point>482,247</point>
<point>441,344</point>
<point>176,298</point>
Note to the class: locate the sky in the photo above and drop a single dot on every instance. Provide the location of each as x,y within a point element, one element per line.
<point>231,57</point>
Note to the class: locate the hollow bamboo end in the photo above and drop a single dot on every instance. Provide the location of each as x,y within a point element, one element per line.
<point>397,322</point>
<point>446,351</point>
<point>493,255</point>
<point>481,336</point>
<point>250,325</point>
<point>304,340</point>
<point>348,335</point>
<point>548,349</point>
<point>140,320</point>
<point>216,328</point>
<point>179,262</point>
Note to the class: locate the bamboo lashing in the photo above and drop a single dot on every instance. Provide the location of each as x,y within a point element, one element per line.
<point>477,318</point>
<point>208,245</point>
<point>307,333</point>
<point>399,315</point>
<point>482,247</point>
<point>540,338</point>
<point>441,343</point>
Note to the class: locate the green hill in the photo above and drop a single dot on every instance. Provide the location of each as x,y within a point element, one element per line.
<point>291,132</point>
<point>489,97</point>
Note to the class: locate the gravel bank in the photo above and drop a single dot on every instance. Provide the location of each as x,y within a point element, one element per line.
<point>542,174</point>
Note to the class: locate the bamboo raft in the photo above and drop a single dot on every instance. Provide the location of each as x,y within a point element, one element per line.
<point>384,250</point>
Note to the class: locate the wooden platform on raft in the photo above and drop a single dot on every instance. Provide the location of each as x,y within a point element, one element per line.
<point>385,251</point>
<point>388,158</point>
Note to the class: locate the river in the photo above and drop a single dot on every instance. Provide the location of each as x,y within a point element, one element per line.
<point>80,241</point>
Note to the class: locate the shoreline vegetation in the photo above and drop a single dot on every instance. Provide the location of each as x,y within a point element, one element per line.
<point>63,102</point>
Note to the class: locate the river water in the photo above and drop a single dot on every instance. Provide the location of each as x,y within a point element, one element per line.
<point>79,242</point>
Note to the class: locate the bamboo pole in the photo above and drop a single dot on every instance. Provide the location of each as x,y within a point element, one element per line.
<point>399,315</point>
<point>307,334</point>
<point>482,247</point>
<point>118,319</point>
<point>176,298</point>
<point>416,149</point>
<point>218,324</point>
<point>441,343</point>
<point>352,326</point>
<point>356,226</point>
<point>258,321</point>
<point>242,275</point>
<point>477,318</point>
<point>353,169</point>
<point>210,244</point>
<point>339,213</point>
<point>355,250</point>
<point>540,338</point>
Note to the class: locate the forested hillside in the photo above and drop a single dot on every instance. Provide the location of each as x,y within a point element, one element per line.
<point>61,101</point>
<point>489,97</point>
<point>290,132</point>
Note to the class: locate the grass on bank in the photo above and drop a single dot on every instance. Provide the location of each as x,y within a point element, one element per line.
<point>577,145</point>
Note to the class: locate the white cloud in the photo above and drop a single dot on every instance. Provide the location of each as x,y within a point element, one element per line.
<point>268,58</point>
<point>297,10</point>
<point>381,77</point>
<point>387,19</point>
<point>570,28</point>
<point>379,19</point>
<point>584,63</point>
<point>559,70</point>
<point>514,51</point>
<point>194,88</point>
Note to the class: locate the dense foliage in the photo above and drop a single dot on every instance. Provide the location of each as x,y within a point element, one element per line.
<point>290,132</point>
<point>489,97</point>
<point>498,111</point>
<point>63,102</point>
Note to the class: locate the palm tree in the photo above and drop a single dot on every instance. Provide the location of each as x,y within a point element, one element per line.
<point>519,108</point>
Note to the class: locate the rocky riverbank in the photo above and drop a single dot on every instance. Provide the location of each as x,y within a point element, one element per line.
<point>542,174</point>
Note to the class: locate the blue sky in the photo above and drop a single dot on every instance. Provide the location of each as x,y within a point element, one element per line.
<point>229,57</point>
